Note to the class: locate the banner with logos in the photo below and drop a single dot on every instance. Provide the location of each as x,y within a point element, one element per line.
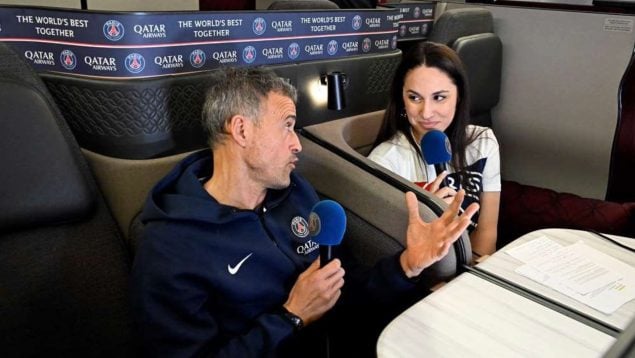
<point>417,19</point>
<point>131,45</point>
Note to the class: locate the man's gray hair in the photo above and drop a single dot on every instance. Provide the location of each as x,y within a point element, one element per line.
<point>239,91</point>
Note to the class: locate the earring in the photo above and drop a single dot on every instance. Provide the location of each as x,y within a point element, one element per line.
<point>403,113</point>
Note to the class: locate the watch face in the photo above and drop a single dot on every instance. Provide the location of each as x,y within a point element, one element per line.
<point>295,320</point>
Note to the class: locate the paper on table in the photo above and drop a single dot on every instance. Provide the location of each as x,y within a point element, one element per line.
<point>590,276</point>
<point>606,299</point>
<point>574,267</point>
<point>533,249</point>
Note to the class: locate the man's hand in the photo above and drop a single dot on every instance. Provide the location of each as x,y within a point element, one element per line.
<point>427,243</point>
<point>316,290</point>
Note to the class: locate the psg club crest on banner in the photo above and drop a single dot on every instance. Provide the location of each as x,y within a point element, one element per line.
<point>259,26</point>
<point>402,30</point>
<point>417,12</point>
<point>249,54</point>
<point>366,45</point>
<point>357,22</point>
<point>331,48</point>
<point>197,58</point>
<point>294,50</point>
<point>135,63</point>
<point>393,43</point>
<point>113,30</point>
<point>68,59</point>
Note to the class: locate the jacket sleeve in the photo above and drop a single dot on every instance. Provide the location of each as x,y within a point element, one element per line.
<point>173,308</point>
<point>384,283</point>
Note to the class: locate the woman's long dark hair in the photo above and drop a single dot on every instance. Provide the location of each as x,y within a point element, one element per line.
<point>438,56</point>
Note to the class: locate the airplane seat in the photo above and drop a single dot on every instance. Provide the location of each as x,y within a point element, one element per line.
<point>526,208</point>
<point>63,263</point>
<point>135,233</point>
<point>302,4</point>
<point>482,56</point>
<point>523,208</point>
<point>470,32</point>
<point>334,160</point>
<point>621,173</point>
<point>126,184</point>
<point>130,131</point>
<point>455,23</point>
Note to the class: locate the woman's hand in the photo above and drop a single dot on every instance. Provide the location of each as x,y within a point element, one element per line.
<point>446,193</point>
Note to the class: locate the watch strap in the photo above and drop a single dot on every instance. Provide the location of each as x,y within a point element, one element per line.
<point>292,318</point>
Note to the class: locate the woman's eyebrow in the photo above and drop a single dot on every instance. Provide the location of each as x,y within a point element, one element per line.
<point>436,92</point>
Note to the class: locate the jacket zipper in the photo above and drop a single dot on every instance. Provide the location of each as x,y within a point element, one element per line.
<point>261,217</point>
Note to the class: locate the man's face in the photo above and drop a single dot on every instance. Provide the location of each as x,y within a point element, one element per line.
<point>272,149</point>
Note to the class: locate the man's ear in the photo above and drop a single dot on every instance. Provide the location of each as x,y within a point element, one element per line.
<point>239,128</point>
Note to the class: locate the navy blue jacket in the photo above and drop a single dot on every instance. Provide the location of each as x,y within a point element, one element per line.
<point>210,279</point>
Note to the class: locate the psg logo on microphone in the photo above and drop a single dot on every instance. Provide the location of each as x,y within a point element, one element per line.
<point>448,146</point>
<point>299,227</point>
<point>315,224</point>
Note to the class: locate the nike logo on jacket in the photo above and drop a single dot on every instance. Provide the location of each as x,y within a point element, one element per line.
<point>234,270</point>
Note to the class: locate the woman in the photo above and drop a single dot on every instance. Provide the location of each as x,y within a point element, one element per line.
<point>430,91</point>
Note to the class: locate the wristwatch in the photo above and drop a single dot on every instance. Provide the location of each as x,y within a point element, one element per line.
<point>296,321</point>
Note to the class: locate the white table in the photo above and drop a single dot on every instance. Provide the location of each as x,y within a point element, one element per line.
<point>503,265</point>
<point>473,316</point>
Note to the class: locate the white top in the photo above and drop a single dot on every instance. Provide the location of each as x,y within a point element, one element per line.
<point>482,156</point>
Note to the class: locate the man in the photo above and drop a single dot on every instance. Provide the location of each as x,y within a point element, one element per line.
<point>218,273</point>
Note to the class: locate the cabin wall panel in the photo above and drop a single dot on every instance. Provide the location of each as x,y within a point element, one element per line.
<point>143,5</point>
<point>113,5</point>
<point>558,109</point>
<point>71,4</point>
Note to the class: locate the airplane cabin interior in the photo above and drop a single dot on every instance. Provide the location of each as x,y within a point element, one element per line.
<point>82,143</point>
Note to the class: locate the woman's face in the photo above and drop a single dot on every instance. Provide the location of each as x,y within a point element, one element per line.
<point>430,99</point>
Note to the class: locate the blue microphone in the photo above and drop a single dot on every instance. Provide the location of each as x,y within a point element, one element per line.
<point>437,150</point>
<point>327,224</point>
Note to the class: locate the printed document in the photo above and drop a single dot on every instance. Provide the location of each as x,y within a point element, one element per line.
<point>578,271</point>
